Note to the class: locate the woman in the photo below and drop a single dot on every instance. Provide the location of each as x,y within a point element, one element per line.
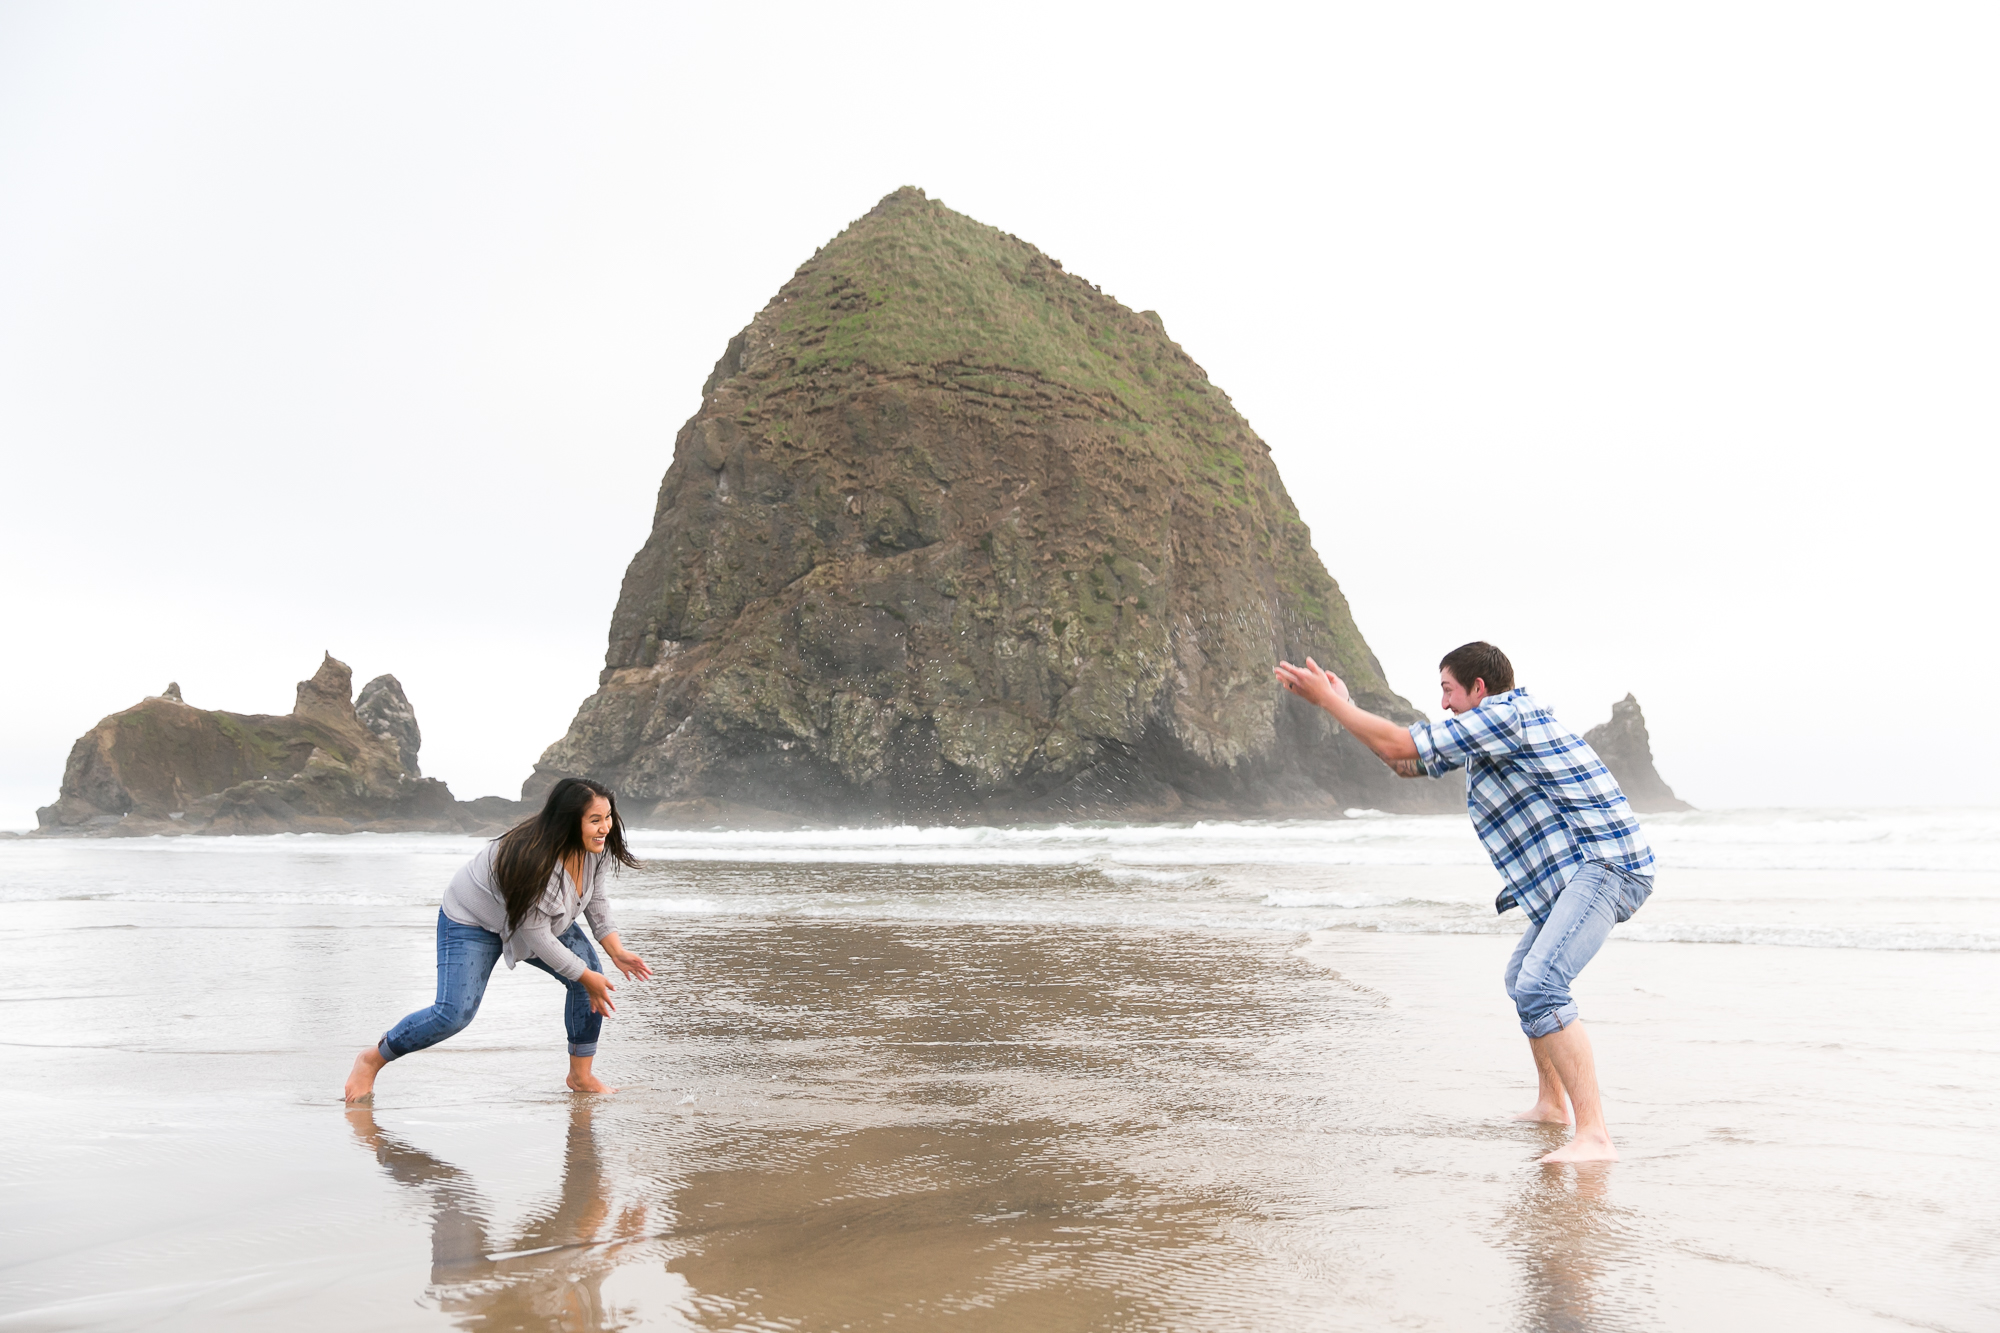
<point>519,899</point>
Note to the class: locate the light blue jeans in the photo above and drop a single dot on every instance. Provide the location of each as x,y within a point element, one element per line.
<point>466,955</point>
<point>1545,962</point>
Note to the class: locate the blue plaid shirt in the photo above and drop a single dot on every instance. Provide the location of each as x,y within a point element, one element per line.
<point>1541,799</point>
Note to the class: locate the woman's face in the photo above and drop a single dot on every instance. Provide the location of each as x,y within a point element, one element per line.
<point>596,824</point>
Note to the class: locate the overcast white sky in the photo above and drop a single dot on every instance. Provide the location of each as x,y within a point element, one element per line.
<point>1657,345</point>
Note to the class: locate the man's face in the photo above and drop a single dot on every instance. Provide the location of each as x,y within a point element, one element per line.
<point>1458,699</point>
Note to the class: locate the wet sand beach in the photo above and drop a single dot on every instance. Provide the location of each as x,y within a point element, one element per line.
<point>872,1087</point>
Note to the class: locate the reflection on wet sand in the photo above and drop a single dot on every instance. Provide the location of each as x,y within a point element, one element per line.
<point>955,1111</point>
<point>918,1096</point>
<point>1003,1124</point>
<point>1566,1233</point>
<point>971,1226</point>
<point>997,1126</point>
<point>550,1273</point>
<point>978,1226</point>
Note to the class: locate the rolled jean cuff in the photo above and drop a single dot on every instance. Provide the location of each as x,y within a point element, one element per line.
<point>1555,1020</point>
<point>583,1050</point>
<point>385,1050</point>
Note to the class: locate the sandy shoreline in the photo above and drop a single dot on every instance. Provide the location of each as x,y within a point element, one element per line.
<point>982,1123</point>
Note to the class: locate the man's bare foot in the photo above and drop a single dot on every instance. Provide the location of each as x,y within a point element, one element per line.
<point>1584,1148</point>
<point>361,1078</point>
<point>1543,1113</point>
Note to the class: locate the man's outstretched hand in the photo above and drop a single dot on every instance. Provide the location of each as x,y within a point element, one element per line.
<point>1313,683</point>
<point>1390,742</point>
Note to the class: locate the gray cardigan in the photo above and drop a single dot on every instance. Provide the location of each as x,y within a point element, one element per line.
<point>473,899</point>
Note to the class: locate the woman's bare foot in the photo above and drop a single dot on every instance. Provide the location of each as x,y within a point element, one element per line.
<point>1545,1113</point>
<point>1587,1147</point>
<point>361,1078</point>
<point>582,1080</point>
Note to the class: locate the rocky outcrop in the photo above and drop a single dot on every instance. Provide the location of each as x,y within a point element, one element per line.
<point>954,535</point>
<point>1626,749</point>
<point>163,766</point>
<point>385,710</point>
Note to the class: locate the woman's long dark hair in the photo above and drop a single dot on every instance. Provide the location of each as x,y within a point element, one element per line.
<point>529,852</point>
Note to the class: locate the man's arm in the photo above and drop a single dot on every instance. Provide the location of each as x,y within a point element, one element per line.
<point>1316,685</point>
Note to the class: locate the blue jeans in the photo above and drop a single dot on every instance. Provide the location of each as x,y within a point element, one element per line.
<point>1549,956</point>
<point>466,955</point>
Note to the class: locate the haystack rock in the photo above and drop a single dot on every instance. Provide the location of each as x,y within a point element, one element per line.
<point>956,536</point>
<point>1626,749</point>
<point>162,766</point>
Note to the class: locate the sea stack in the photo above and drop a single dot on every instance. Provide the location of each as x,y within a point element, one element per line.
<point>165,767</point>
<point>955,536</point>
<point>1627,750</point>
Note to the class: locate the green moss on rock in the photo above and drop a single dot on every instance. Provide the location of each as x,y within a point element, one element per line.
<point>956,535</point>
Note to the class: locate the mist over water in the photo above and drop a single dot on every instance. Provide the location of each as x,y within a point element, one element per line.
<point>1218,1076</point>
<point>1867,879</point>
<point>1922,839</point>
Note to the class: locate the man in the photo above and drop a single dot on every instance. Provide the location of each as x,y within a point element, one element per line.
<point>1560,834</point>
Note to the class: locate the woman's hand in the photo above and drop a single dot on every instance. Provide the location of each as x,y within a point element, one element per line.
<point>600,989</point>
<point>631,964</point>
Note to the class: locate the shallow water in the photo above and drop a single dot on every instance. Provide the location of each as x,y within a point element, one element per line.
<point>1233,1076</point>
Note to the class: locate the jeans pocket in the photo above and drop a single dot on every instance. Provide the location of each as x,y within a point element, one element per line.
<point>1632,894</point>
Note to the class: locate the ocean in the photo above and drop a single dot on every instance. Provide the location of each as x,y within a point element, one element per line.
<point>1213,1076</point>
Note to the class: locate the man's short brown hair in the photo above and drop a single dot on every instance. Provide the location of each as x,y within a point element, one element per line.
<point>1478,661</point>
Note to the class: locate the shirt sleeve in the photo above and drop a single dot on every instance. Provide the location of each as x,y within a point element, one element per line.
<point>1487,731</point>
<point>539,937</point>
<point>1434,762</point>
<point>470,898</point>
